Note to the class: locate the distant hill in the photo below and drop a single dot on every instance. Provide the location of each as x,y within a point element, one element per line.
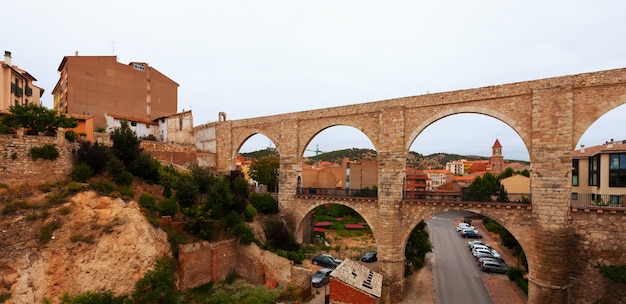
<point>414,159</point>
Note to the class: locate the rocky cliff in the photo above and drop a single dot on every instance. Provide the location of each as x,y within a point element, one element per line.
<point>99,244</point>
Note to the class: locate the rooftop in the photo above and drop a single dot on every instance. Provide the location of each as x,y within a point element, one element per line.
<point>360,277</point>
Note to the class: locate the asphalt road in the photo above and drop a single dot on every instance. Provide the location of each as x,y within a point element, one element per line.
<point>456,277</point>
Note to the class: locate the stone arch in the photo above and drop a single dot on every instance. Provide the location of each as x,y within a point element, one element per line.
<point>240,140</point>
<point>588,109</point>
<point>308,134</point>
<point>305,214</point>
<point>514,123</point>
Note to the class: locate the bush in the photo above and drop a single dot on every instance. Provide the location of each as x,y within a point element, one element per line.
<point>102,187</point>
<point>118,171</point>
<point>168,207</point>
<point>47,151</point>
<point>75,187</point>
<point>95,155</point>
<point>264,203</point>
<point>614,273</point>
<point>127,191</point>
<point>92,297</point>
<point>249,213</point>
<point>45,232</point>
<point>81,238</point>
<point>147,201</point>
<point>81,172</point>
<point>158,285</point>
<point>245,235</point>
<point>71,135</point>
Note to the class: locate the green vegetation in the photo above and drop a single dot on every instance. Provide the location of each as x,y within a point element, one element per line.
<point>4,296</point>
<point>265,171</point>
<point>417,246</point>
<point>264,203</point>
<point>81,172</point>
<point>517,275</point>
<point>47,151</point>
<point>615,273</point>
<point>158,285</point>
<point>45,232</point>
<point>71,135</point>
<point>36,119</point>
<point>82,238</point>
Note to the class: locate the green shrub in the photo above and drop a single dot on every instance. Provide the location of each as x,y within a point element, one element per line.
<point>92,297</point>
<point>244,234</point>
<point>117,170</point>
<point>249,213</point>
<point>264,203</point>
<point>47,151</point>
<point>513,273</point>
<point>57,198</point>
<point>127,191</point>
<point>12,207</point>
<point>95,155</point>
<point>45,232</point>
<point>102,187</point>
<point>75,187</point>
<point>147,201</point>
<point>71,135</point>
<point>175,238</point>
<point>168,206</point>
<point>81,172</point>
<point>614,273</point>
<point>158,285</point>
<point>65,210</point>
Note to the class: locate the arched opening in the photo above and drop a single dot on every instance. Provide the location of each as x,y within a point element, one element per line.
<point>339,161</point>
<point>599,163</point>
<point>259,161</point>
<point>446,157</point>
<point>338,230</point>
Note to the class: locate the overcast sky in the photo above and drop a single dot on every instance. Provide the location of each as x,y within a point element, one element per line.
<point>258,58</point>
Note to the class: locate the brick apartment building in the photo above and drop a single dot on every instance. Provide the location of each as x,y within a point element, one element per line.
<point>352,282</point>
<point>16,85</point>
<point>99,85</point>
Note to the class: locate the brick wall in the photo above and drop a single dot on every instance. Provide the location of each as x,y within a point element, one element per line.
<point>342,293</point>
<point>204,262</point>
<point>178,154</point>
<point>16,165</point>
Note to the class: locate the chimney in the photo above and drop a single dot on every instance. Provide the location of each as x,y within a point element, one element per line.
<point>582,148</point>
<point>7,57</point>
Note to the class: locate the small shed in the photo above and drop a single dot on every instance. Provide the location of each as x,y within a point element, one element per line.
<point>352,282</point>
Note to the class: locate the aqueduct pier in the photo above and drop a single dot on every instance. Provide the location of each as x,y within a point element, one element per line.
<point>562,243</point>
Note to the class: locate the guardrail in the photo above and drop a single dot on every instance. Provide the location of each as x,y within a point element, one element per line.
<point>598,200</point>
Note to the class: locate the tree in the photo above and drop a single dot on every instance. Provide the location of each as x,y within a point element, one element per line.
<point>265,171</point>
<point>417,246</point>
<point>37,118</point>
<point>125,144</point>
<point>483,188</point>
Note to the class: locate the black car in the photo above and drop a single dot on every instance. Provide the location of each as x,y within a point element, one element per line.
<point>369,257</point>
<point>326,260</point>
<point>471,234</point>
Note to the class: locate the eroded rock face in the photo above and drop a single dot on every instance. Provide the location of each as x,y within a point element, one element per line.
<point>103,244</point>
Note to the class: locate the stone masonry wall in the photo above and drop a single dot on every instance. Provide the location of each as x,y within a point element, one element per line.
<point>16,165</point>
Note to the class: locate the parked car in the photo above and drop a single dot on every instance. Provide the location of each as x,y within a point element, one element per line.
<point>369,257</point>
<point>321,277</point>
<point>462,226</point>
<point>480,260</point>
<point>477,251</point>
<point>467,233</point>
<point>490,266</point>
<point>492,251</point>
<point>326,260</point>
<point>471,244</point>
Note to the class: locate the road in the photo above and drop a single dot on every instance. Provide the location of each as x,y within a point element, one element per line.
<point>456,277</point>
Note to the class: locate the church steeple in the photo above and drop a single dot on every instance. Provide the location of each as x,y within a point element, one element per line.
<point>496,160</point>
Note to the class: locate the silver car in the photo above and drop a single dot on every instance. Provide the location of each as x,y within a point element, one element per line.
<point>321,277</point>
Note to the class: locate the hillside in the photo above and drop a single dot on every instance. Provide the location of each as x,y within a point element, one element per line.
<point>55,240</point>
<point>414,159</point>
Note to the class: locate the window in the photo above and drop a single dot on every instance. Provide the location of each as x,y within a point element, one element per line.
<point>574,172</point>
<point>617,170</point>
<point>594,170</point>
<point>138,67</point>
<point>616,200</point>
<point>133,123</point>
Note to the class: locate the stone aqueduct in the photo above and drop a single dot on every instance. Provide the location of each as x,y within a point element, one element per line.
<point>550,115</point>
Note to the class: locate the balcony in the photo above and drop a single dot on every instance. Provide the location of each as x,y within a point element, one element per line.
<point>338,192</point>
<point>29,91</point>
<point>598,200</point>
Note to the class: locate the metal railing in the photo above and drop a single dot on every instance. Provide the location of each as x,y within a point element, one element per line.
<point>598,200</point>
<point>338,192</point>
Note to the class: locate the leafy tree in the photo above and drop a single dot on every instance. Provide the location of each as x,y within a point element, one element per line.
<point>125,144</point>
<point>95,155</point>
<point>240,189</point>
<point>203,178</point>
<point>482,188</point>
<point>37,118</point>
<point>185,191</point>
<point>119,173</point>
<point>278,237</point>
<point>416,248</point>
<point>146,167</point>
<point>264,203</point>
<point>508,172</point>
<point>220,198</point>
<point>265,171</point>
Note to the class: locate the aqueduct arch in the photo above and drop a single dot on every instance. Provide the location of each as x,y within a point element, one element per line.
<point>550,115</point>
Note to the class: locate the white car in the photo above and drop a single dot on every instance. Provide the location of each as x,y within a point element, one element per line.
<point>463,226</point>
<point>471,244</point>
<point>485,250</point>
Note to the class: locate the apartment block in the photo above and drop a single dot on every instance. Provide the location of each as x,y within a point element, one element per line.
<point>599,174</point>
<point>100,85</point>
<point>16,85</point>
